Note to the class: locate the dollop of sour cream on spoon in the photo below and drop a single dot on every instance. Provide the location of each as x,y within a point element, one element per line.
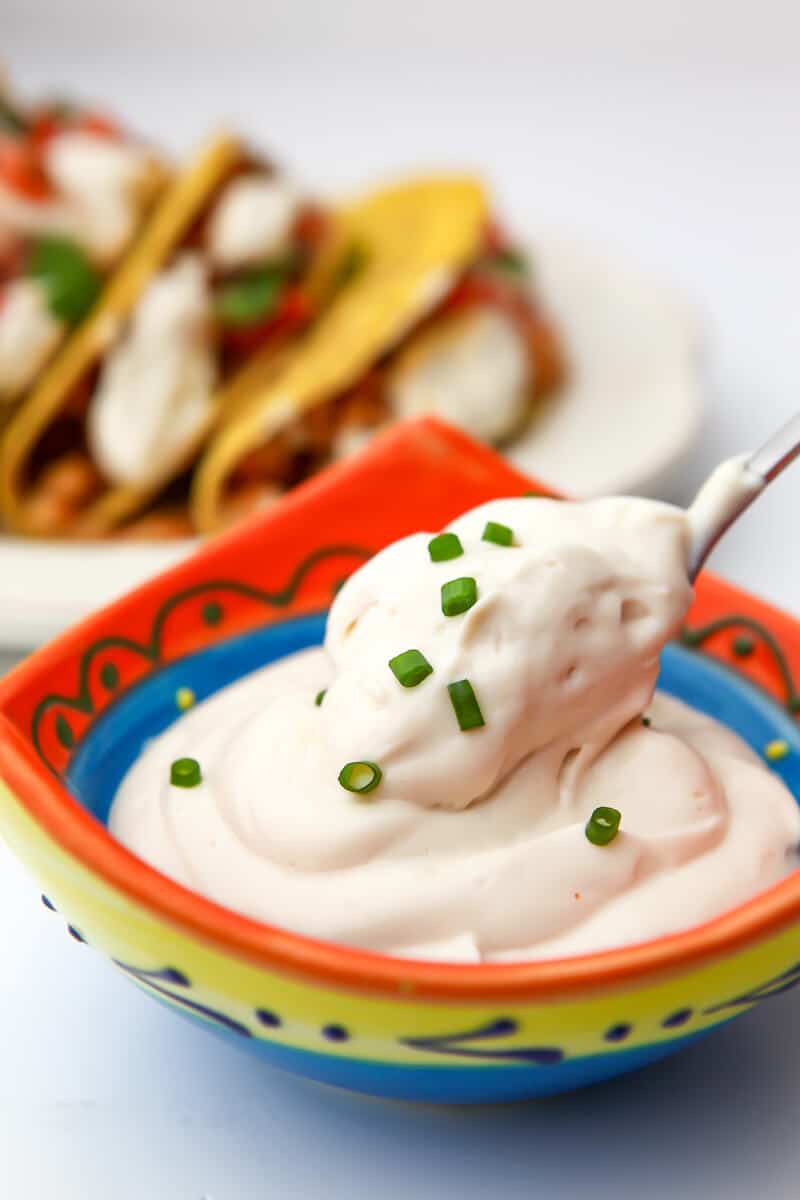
<point>463,771</point>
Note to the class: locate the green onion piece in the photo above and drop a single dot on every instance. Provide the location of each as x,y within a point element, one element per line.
<point>10,119</point>
<point>458,595</point>
<point>185,773</point>
<point>250,297</point>
<point>501,535</point>
<point>410,668</point>
<point>64,271</point>
<point>465,704</point>
<point>513,261</point>
<point>60,108</point>
<point>352,262</point>
<point>444,547</point>
<point>320,696</point>
<point>360,777</point>
<point>646,721</point>
<point>603,826</point>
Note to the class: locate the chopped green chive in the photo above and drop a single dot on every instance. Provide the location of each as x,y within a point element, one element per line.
<point>67,276</point>
<point>61,108</point>
<point>185,773</point>
<point>250,297</point>
<point>351,264</point>
<point>501,535</point>
<point>10,119</point>
<point>444,547</point>
<point>360,777</point>
<point>603,826</point>
<point>458,595</point>
<point>513,261</point>
<point>646,721</point>
<point>320,696</point>
<point>410,668</point>
<point>465,705</point>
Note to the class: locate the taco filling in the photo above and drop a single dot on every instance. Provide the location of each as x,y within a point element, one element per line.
<point>230,291</point>
<point>481,359</point>
<point>251,338</point>
<point>74,189</point>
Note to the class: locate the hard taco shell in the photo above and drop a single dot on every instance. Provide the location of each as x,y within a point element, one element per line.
<point>173,217</point>
<point>413,239</point>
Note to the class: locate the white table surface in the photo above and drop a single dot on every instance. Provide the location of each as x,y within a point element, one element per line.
<point>692,168</point>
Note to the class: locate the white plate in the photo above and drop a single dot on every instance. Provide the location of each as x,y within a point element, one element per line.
<point>45,586</point>
<point>628,414</point>
<point>633,403</point>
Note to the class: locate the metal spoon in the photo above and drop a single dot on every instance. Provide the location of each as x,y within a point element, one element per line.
<point>733,487</point>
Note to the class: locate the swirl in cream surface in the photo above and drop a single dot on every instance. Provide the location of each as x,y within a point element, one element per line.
<point>473,845</point>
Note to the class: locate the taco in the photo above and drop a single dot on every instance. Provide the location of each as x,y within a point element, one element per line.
<point>220,280</point>
<point>75,189</point>
<point>441,319</point>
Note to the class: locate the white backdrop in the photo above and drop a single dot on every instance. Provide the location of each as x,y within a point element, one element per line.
<point>729,32</point>
<point>668,131</point>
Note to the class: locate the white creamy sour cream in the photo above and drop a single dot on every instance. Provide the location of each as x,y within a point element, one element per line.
<point>101,181</point>
<point>473,845</point>
<point>99,186</point>
<point>28,335</point>
<point>156,388</point>
<point>472,369</point>
<point>252,221</point>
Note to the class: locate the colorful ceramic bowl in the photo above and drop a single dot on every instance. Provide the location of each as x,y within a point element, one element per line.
<point>74,716</point>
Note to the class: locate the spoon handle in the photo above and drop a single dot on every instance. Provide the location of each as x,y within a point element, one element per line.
<point>733,487</point>
<point>777,452</point>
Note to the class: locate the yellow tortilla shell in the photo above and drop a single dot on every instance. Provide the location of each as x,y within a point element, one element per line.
<point>174,215</point>
<point>416,237</point>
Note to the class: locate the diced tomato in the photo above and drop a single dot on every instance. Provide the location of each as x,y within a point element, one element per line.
<point>518,304</point>
<point>21,171</point>
<point>495,239</point>
<point>294,311</point>
<point>13,250</point>
<point>49,122</point>
<point>45,126</point>
<point>98,124</point>
<point>482,289</point>
<point>12,258</point>
<point>296,306</point>
<point>310,226</point>
<point>487,290</point>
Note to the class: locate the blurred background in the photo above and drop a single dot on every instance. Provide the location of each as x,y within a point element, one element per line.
<point>667,132</point>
